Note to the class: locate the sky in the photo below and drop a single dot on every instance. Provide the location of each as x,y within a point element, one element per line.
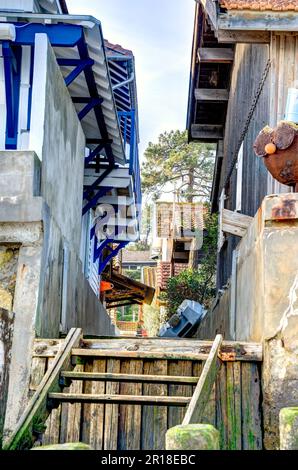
<point>159,32</point>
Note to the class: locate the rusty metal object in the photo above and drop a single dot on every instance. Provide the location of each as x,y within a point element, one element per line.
<point>264,138</point>
<point>283,164</point>
<point>286,209</point>
<point>283,135</point>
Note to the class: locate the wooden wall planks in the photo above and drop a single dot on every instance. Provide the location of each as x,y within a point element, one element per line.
<point>249,64</point>
<point>234,407</point>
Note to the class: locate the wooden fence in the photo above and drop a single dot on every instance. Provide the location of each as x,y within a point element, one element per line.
<point>234,407</point>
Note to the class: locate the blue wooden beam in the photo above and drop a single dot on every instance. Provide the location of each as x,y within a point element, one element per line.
<point>93,102</point>
<point>93,201</point>
<point>82,65</point>
<point>103,264</point>
<point>60,35</point>
<point>12,73</point>
<point>92,88</point>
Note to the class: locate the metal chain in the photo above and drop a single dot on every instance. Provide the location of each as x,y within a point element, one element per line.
<point>247,121</point>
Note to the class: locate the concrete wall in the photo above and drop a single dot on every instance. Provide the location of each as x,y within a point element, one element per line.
<point>40,229</point>
<point>266,303</point>
<point>6,333</point>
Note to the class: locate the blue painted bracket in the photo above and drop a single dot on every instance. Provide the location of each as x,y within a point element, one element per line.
<point>12,73</point>
<point>98,250</point>
<point>80,67</point>
<point>89,106</point>
<point>92,202</point>
<point>92,88</point>
<point>113,253</point>
<point>94,185</point>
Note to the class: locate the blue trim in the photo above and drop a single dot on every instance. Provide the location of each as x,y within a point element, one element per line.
<point>91,84</point>
<point>60,35</point>
<point>82,65</point>
<point>94,200</point>
<point>12,73</point>
<point>30,88</point>
<point>89,106</point>
<point>94,153</point>
<point>114,253</point>
<point>98,181</point>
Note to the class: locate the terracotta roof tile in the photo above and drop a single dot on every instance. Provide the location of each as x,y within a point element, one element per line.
<point>112,48</point>
<point>261,5</point>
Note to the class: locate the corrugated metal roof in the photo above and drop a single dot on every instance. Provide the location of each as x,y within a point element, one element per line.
<point>261,5</point>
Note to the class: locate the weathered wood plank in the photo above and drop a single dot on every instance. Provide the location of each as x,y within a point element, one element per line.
<point>160,413</point>
<point>52,433</point>
<point>230,350</point>
<point>97,409</point>
<point>127,399</point>
<point>251,407</point>
<point>210,132</point>
<point>116,377</point>
<point>137,355</point>
<point>38,369</point>
<point>37,411</point>
<point>234,405</point>
<point>86,407</point>
<point>203,389</point>
<point>258,21</point>
<point>130,416</point>
<point>74,410</point>
<point>181,369</point>
<point>221,406</point>
<point>209,413</point>
<point>153,417</point>
<point>47,347</point>
<point>211,94</point>
<point>112,411</point>
<point>248,37</point>
<point>215,55</point>
<point>235,223</point>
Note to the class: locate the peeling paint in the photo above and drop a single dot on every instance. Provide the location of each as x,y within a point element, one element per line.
<point>290,310</point>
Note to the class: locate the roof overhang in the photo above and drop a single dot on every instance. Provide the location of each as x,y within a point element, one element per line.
<point>101,123</point>
<point>249,19</point>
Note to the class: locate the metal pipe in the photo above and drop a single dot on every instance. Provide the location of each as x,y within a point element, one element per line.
<point>129,80</point>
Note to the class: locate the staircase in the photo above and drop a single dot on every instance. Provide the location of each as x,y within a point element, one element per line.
<point>124,393</point>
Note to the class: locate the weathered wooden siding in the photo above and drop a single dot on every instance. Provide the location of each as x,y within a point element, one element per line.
<point>283,75</point>
<point>249,64</point>
<point>234,406</point>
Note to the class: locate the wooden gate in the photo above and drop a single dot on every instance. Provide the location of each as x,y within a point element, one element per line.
<point>159,368</point>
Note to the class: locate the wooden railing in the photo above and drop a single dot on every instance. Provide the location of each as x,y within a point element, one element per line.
<point>202,393</point>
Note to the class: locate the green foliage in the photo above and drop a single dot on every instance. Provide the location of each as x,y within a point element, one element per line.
<point>134,274</point>
<point>198,285</point>
<point>174,160</point>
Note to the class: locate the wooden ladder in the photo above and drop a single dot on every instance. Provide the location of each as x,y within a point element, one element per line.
<point>68,368</point>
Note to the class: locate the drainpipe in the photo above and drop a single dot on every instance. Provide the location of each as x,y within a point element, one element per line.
<point>119,85</point>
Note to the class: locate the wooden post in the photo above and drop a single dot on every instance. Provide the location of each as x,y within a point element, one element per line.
<point>192,437</point>
<point>288,428</point>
